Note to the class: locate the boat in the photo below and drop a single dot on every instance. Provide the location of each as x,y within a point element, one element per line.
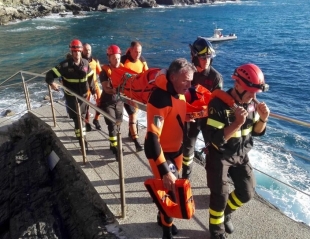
<point>218,36</point>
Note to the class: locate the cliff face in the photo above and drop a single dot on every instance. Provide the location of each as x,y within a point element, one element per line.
<point>11,10</point>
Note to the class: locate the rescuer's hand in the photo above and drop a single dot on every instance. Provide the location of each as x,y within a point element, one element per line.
<point>54,86</point>
<point>240,114</point>
<point>169,181</point>
<point>263,111</point>
<point>95,97</point>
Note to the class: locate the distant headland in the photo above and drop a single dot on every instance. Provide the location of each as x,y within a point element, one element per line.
<point>14,10</point>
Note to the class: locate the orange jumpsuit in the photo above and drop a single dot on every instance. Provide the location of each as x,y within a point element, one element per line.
<point>166,112</point>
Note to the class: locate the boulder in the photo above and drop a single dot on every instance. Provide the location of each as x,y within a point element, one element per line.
<point>9,113</point>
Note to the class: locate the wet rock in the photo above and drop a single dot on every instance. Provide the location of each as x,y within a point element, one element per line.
<point>9,113</point>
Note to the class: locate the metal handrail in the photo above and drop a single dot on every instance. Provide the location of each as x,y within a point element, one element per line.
<point>118,122</point>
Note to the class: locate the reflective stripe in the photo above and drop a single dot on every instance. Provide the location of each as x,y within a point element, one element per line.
<point>215,213</point>
<point>189,157</point>
<point>113,143</point>
<point>216,124</point>
<point>215,146</point>
<point>237,134</point>
<point>236,199</point>
<point>56,72</point>
<point>78,133</point>
<point>75,80</point>
<point>187,162</point>
<point>231,205</point>
<point>216,221</point>
<point>112,138</point>
<point>243,132</point>
<point>90,73</point>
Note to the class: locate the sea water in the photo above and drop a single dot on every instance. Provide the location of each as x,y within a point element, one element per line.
<point>275,35</point>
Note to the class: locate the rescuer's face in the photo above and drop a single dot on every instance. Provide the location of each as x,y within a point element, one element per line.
<point>115,60</point>
<point>182,81</point>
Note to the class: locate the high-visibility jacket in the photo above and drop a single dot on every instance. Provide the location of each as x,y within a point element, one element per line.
<point>137,66</point>
<point>95,66</point>
<point>79,78</point>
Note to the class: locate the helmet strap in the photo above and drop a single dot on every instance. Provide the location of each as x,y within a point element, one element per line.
<point>240,95</point>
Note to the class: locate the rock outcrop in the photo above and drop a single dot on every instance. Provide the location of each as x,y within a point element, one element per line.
<point>27,9</point>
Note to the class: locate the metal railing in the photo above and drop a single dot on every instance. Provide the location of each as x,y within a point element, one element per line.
<point>80,120</point>
<point>141,106</point>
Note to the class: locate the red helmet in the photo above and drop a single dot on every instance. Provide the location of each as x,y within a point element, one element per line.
<point>76,45</point>
<point>251,78</point>
<point>113,49</point>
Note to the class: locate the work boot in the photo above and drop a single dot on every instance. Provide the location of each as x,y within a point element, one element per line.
<point>139,147</point>
<point>87,127</point>
<point>174,229</point>
<point>114,151</point>
<point>97,125</point>
<point>167,233</point>
<point>220,236</point>
<point>229,227</point>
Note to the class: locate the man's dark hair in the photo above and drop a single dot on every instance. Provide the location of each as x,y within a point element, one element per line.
<point>135,43</point>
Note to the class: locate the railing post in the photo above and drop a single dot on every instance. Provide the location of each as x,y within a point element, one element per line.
<point>80,122</point>
<point>52,104</point>
<point>121,173</point>
<point>26,92</point>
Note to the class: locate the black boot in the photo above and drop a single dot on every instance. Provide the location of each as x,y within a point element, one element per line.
<point>229,227</point>
<point>87,127</point>
<point>174,229</point>
<point>167,233</point>
<point>97,125</point>
<point>220,236</point>
<point>114,151</point>
<point>139,147</point>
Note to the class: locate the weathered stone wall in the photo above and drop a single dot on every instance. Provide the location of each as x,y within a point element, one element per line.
<point>36,202</point>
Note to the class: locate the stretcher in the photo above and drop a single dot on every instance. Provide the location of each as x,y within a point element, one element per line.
<point>135,89</point>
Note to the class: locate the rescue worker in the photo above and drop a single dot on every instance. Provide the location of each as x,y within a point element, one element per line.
<point>202,54</point>
<point>166,111</point>
<point>109,101</point>
<point>135,62</point>
<point>230,135</point>
<point>95,66</point>
<point>77,76</point>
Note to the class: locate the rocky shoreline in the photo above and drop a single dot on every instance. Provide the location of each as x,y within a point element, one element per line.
<point>18,10</point>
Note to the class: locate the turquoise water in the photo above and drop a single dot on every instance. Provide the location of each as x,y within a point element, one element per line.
<point>272,34</point>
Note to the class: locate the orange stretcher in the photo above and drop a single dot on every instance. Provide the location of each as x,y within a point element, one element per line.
<point>183,208</point>
<point>137,88</point>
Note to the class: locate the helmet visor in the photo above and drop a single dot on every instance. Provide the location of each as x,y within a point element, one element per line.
<point>206,53</point>
<point>205,56</point>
